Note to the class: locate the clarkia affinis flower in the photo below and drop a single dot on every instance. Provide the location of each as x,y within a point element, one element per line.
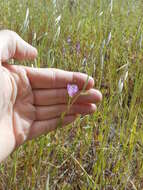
<point>78,47</point>
<point>72,89</point>
<point>69,40</point>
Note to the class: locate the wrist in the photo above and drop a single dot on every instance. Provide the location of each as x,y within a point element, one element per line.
<point>7,138</point>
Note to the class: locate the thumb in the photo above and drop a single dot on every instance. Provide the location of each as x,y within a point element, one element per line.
<point>13,46</point>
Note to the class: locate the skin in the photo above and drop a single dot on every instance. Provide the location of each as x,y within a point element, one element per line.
<point>31,99</point>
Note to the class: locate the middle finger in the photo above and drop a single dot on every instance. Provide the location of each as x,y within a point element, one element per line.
<point>60,96</point>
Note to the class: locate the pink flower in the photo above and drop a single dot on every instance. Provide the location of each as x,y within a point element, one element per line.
<point>72,89</point>
<point>69,40</point>
<point>78,47</point>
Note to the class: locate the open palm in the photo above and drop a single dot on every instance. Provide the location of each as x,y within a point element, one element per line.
<point>34,99</point>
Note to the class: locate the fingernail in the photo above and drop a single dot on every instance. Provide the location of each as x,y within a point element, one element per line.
<point>99,96</point>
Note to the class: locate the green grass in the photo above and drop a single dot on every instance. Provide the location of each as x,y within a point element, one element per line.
<point>103,151</point>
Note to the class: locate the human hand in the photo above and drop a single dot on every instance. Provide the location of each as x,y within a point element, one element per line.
<point>34,99</point>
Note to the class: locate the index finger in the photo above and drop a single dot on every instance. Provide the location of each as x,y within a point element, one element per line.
<point>56,78</point>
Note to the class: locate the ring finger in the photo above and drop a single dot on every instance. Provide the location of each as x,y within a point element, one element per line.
<point>50,112</point>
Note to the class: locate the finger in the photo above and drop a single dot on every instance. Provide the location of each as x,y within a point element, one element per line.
<point>42,127</point>
<point>50,112</point>
<point>23,49</point>
<point>13,46</point>
<point>60,96</point>
<point>56,78</point>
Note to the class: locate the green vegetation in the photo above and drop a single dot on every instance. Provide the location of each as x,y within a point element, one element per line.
<point>103,38</point>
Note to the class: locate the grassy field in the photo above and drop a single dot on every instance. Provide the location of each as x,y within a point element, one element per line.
<point>103,38</point>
